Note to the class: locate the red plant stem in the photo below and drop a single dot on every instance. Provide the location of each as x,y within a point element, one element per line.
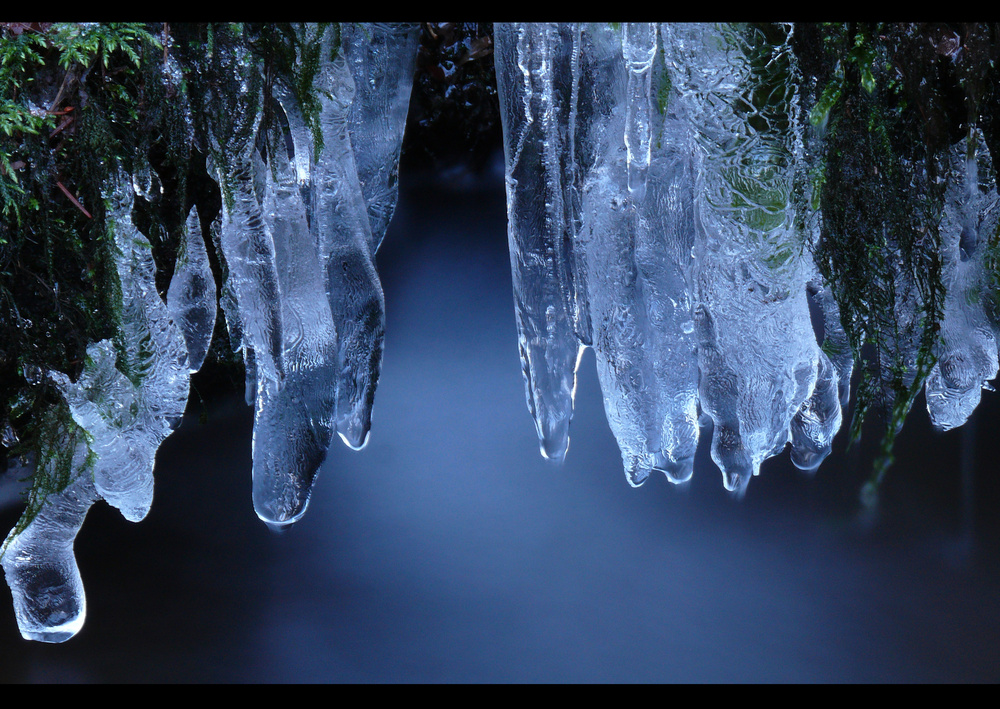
<point>73,199</point>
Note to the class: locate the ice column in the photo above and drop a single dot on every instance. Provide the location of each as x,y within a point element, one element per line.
<point>967,354</point>
<point>129,415</point>
<point>600,224</point>
<point>305,216</point>
<point>758,354</point>
<point>340,225</point>
<point>246,244</point>
<point>538,69</point>
<point>639,232</point>
<point>294,426</point>
<point>382,58</point>
<point>119,422</point>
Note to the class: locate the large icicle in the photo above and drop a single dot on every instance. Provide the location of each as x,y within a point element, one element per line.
<point>382,58</point>
<point>246,244</point>
<point>119,422</point>
<point>38,561</point>
<point>758,353</point>
<point>639,232</point>
<point>967,355</point>
<point>294,426</point>
<point>664,240</point>
<point>538,82</point>
<point>340,225</point>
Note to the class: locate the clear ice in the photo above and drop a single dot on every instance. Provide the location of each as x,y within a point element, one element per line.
<point>192,298</point>
<point>382,58</point>
<point>654,179</point>
<point>347,251</point>
<point>313,216</point>
<point>293,426</point>
<point>552,137</point>
<point>646,191</point>
<point>127,416</point>
<point>967,356</point>
<point>38,561</point>
<point>119,421</point>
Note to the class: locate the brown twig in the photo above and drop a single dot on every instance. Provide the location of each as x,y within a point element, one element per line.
<point>65,122</point>
<point>72,199</point>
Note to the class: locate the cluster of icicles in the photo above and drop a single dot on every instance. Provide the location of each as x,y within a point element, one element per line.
<point>650,182</point>
<point>650,217</point>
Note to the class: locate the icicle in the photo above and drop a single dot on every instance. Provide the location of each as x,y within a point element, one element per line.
<point>382,58</point>
<point>664,240</point>
<point>246,245</point>
<point>639,259</point>
<point>129,416</point>
<point>967,356</point>
<point>533,63</point>
<point>340,225</point>
<point>639,48</point>
<point>191,298</point>
<point>38,561</point>
<point>819,419</point>
<point>293,427</point>
<point>758,354</point>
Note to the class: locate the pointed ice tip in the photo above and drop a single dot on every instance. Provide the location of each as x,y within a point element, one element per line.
<point>354,430</point>
<point>556,457</point>
<point>736,481</point>
<point>278,524</point>
<point>637,476</point>
<point>283,516</point>
<point>134,507</point>
<point>59,634</point>
<point>809,460</point>
<point>677,472</point>
<point>553,439</point>
<point>353,439</point>
<point>52,608</point>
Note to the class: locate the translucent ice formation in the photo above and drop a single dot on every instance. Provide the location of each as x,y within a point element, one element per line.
<point>760,365</point>
<point>324,191</point>
<point>294,426</point>
<point>38,561</point>
<point>639,231</point>
<point>382,58</point>
<point>967,357</point>
<point>246,245</point>
<point>127,416</point>
<point>192,299</point>
<point>649,178</point>
<point>548,145</point>
<point>656,178</point>
<point>346,246</point>
<point>108,448</point>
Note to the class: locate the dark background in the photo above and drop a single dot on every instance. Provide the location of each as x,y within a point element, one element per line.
<point>449,551</point>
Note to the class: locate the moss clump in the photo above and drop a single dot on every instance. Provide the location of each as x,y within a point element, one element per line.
<point>889,100</point>
<point>73,104</point>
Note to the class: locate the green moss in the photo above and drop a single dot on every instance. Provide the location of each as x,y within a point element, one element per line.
<point>881,199</point>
